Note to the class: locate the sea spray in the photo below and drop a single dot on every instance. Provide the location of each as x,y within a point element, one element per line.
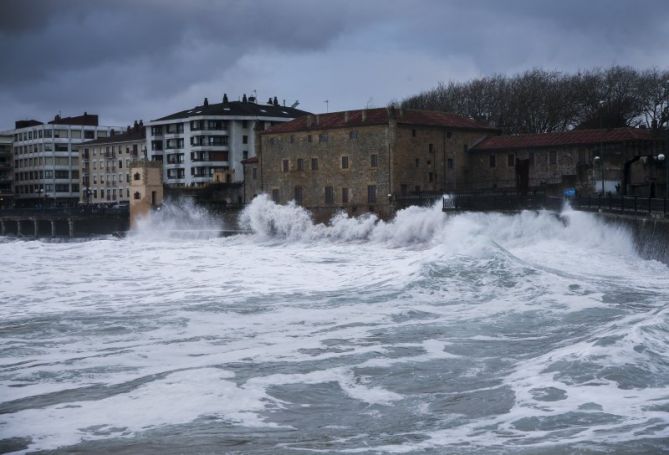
<point>177,219</point>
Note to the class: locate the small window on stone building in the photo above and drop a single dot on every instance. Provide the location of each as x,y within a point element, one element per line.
<point>275,195</point>
<point>309,138</point>
<point>344,162</point>
<point>137,195</point>
<point>449,134</point>
<point>553,157</point>
<point>344,195</point>
<point>430,177</point>
<point>298,195</point>
<point>254,173</point>
<point>417,162</point>
<point>285,165</point>
<point>300,164</point>
<point>322,138</point>
<point>430,148</point>
<point>353,134</point>
<point>371,194</point>
<point>292,138</point>
<point>314,164</point>
<point>374,160</point>
<point>449,163</point>
<point>413,133</point>
<point>120,164</point>
<point>493,160</point>
<point>137,176</point>
<point>511,160</point>
<point>329,195</point>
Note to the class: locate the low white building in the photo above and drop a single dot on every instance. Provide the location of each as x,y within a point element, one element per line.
<point>46,158</point>
<point>210,140</point>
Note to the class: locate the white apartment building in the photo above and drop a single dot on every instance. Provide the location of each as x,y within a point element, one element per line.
<point>46,159</point>
<point>211,140</point>
<point>105,165</point>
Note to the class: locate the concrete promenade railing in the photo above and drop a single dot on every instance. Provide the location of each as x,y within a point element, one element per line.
<point>628,205</point>
<point>67,222</point>
<point>502,201</point>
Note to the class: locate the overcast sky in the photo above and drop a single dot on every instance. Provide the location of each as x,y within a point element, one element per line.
<point>143,59</point>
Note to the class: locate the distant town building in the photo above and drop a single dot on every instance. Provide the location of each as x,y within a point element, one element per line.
<point>210,141</point>
<point>365,160</point>
<point>624,158</point>
<point>46,158</point>
<point>105,165</point>
<point>146,188</point>
<point>6,172</point>
<point>251,179</point>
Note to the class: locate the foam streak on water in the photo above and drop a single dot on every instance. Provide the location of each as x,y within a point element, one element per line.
<point>469,333</point>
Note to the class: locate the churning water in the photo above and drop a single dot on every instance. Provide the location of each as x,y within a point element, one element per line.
<point>463,334</point>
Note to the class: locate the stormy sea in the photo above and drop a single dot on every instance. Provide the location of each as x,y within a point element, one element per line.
<point>471,333</point>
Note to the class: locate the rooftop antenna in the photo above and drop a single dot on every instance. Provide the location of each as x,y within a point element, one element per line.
<point>327,105</point>
<point>295,104</point>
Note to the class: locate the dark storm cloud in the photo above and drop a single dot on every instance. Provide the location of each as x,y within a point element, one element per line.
<point>131,58</point>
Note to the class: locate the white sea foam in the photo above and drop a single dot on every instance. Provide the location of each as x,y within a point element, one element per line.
<point>396,314</point>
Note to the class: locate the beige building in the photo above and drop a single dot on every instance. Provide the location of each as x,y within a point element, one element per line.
<point>105,166</point>
<point>251,179</point>
<point>365,160</point>
<point>146,187</point>
<point>623,160</point>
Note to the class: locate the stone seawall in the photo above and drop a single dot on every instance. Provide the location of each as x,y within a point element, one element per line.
<point>651,235</point>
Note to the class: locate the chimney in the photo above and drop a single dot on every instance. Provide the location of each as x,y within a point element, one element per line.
<point>269,101</point>
<point>345,116</point>
<point>206,102</point>
<point>225,98</point>
<point>244,99</point>
<point>364,115</point>
<point>276,101</point>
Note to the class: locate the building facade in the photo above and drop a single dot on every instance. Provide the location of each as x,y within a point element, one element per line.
<point>146,188</point>
<point>621,160</point>
<point>46,159</point>
<point>105,165</point>
<point>208,141</point>
<point>365,160</point>
<point>6,172</point>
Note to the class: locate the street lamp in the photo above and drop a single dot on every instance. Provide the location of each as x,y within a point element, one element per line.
<point>599,160</point>
<point>662,158</point>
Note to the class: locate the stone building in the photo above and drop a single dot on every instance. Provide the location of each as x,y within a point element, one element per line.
<point>579,159</point>
<point>105,165</point>
<point>251,179</point>
<point>46,158</point>
<point>146,188</point>
<point>206,141</point>
<point>364,160</point>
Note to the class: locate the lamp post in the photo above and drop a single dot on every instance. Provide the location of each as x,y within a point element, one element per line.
<point>599,160</point>
<point>662,158</point>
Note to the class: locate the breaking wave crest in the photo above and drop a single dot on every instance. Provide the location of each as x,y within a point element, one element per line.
<point>429,226</point>
<point>177,219</point>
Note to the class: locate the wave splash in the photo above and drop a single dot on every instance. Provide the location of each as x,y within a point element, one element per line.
<point>430,226</point>
<point>177,219</point>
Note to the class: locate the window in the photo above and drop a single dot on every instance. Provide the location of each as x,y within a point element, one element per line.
<point>371,194</point>
<point>449,134</point>
<point>298,195</point>
<point>344,195</point>
<point>511,160</point>
<point>300,164</point>
<point>430,177</point>
<point>417,162</point>
<point>175,128</point>
<point>245,155</point>
<point>329,195</point>
<point>322,138</point>
<point>492,160</point>
<point>89,134</point>
<point>254,172</point>
<point>553,157</point>
<point>156,131</point>
<point>309,138</point>
<point>75,134</point>
<point>137,196</point>
<point>120,164</point>
<point>352,135</point>
<point>285,165</point>
<point>245,124</point>
<point>245,139</point>
<point>449,163</point>
<point>413,133</point>
<point>374,160</point>
<point>344,162</point>
<point>197,125</point>
<point>137,176</point>
<point>314,164</point>
<point>275,195</point>
<point>430,148</point>
<point>292,138</point>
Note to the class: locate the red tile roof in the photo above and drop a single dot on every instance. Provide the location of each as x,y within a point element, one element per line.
<point>573,137</point>
<point>378,116</point>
